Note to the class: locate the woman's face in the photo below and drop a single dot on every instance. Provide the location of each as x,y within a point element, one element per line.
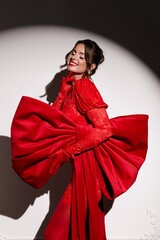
<point>76,62</point>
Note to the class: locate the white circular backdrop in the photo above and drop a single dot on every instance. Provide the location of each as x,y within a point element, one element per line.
<point>29,59</point>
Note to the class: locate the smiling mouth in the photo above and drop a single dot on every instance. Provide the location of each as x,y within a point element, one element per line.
<point>71,63</point>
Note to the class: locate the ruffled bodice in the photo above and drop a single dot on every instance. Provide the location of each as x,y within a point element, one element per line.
<point>82,97</point>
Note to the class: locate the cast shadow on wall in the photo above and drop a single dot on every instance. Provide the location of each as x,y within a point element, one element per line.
<point>16,195</point>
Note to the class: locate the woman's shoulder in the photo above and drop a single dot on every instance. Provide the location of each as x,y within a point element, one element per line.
<point>87,86</point>
<point>87,94</point>
<point>85,82</point>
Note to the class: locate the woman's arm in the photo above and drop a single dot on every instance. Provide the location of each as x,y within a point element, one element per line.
<point>101,131</point>
<point>65,88</point>
<point>59,101</point>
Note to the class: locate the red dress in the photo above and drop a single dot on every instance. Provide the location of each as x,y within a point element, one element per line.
<point>107,168</point>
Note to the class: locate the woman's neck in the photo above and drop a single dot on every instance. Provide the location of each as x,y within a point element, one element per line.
<point>77,76</point>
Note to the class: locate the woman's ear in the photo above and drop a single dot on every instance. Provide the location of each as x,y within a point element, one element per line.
<point>93,66</point>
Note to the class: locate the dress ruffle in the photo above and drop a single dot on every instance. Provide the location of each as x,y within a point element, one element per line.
<point>87,100</point>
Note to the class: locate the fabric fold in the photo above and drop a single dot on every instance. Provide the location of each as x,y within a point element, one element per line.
<point>39,130</point>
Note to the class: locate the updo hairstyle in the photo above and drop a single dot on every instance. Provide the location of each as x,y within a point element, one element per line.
<point>93,54</point>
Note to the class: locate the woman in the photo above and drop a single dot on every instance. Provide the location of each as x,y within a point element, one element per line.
<point>105,155</point>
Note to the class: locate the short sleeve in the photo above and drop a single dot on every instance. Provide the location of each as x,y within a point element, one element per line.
<point>87,96</point>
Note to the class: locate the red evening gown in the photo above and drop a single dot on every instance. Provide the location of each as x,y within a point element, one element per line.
<point>108,169</point>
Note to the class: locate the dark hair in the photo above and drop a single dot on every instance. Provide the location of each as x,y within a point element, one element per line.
<point>93,54</point>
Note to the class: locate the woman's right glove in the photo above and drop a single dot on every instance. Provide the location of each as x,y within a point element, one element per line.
<point>65,88</point>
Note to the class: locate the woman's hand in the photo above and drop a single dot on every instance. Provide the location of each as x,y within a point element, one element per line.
<point>65,88</point>
<point>66,85</point>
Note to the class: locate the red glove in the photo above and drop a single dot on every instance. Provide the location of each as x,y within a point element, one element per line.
<point>102,131</point>
<point>65,88</point>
